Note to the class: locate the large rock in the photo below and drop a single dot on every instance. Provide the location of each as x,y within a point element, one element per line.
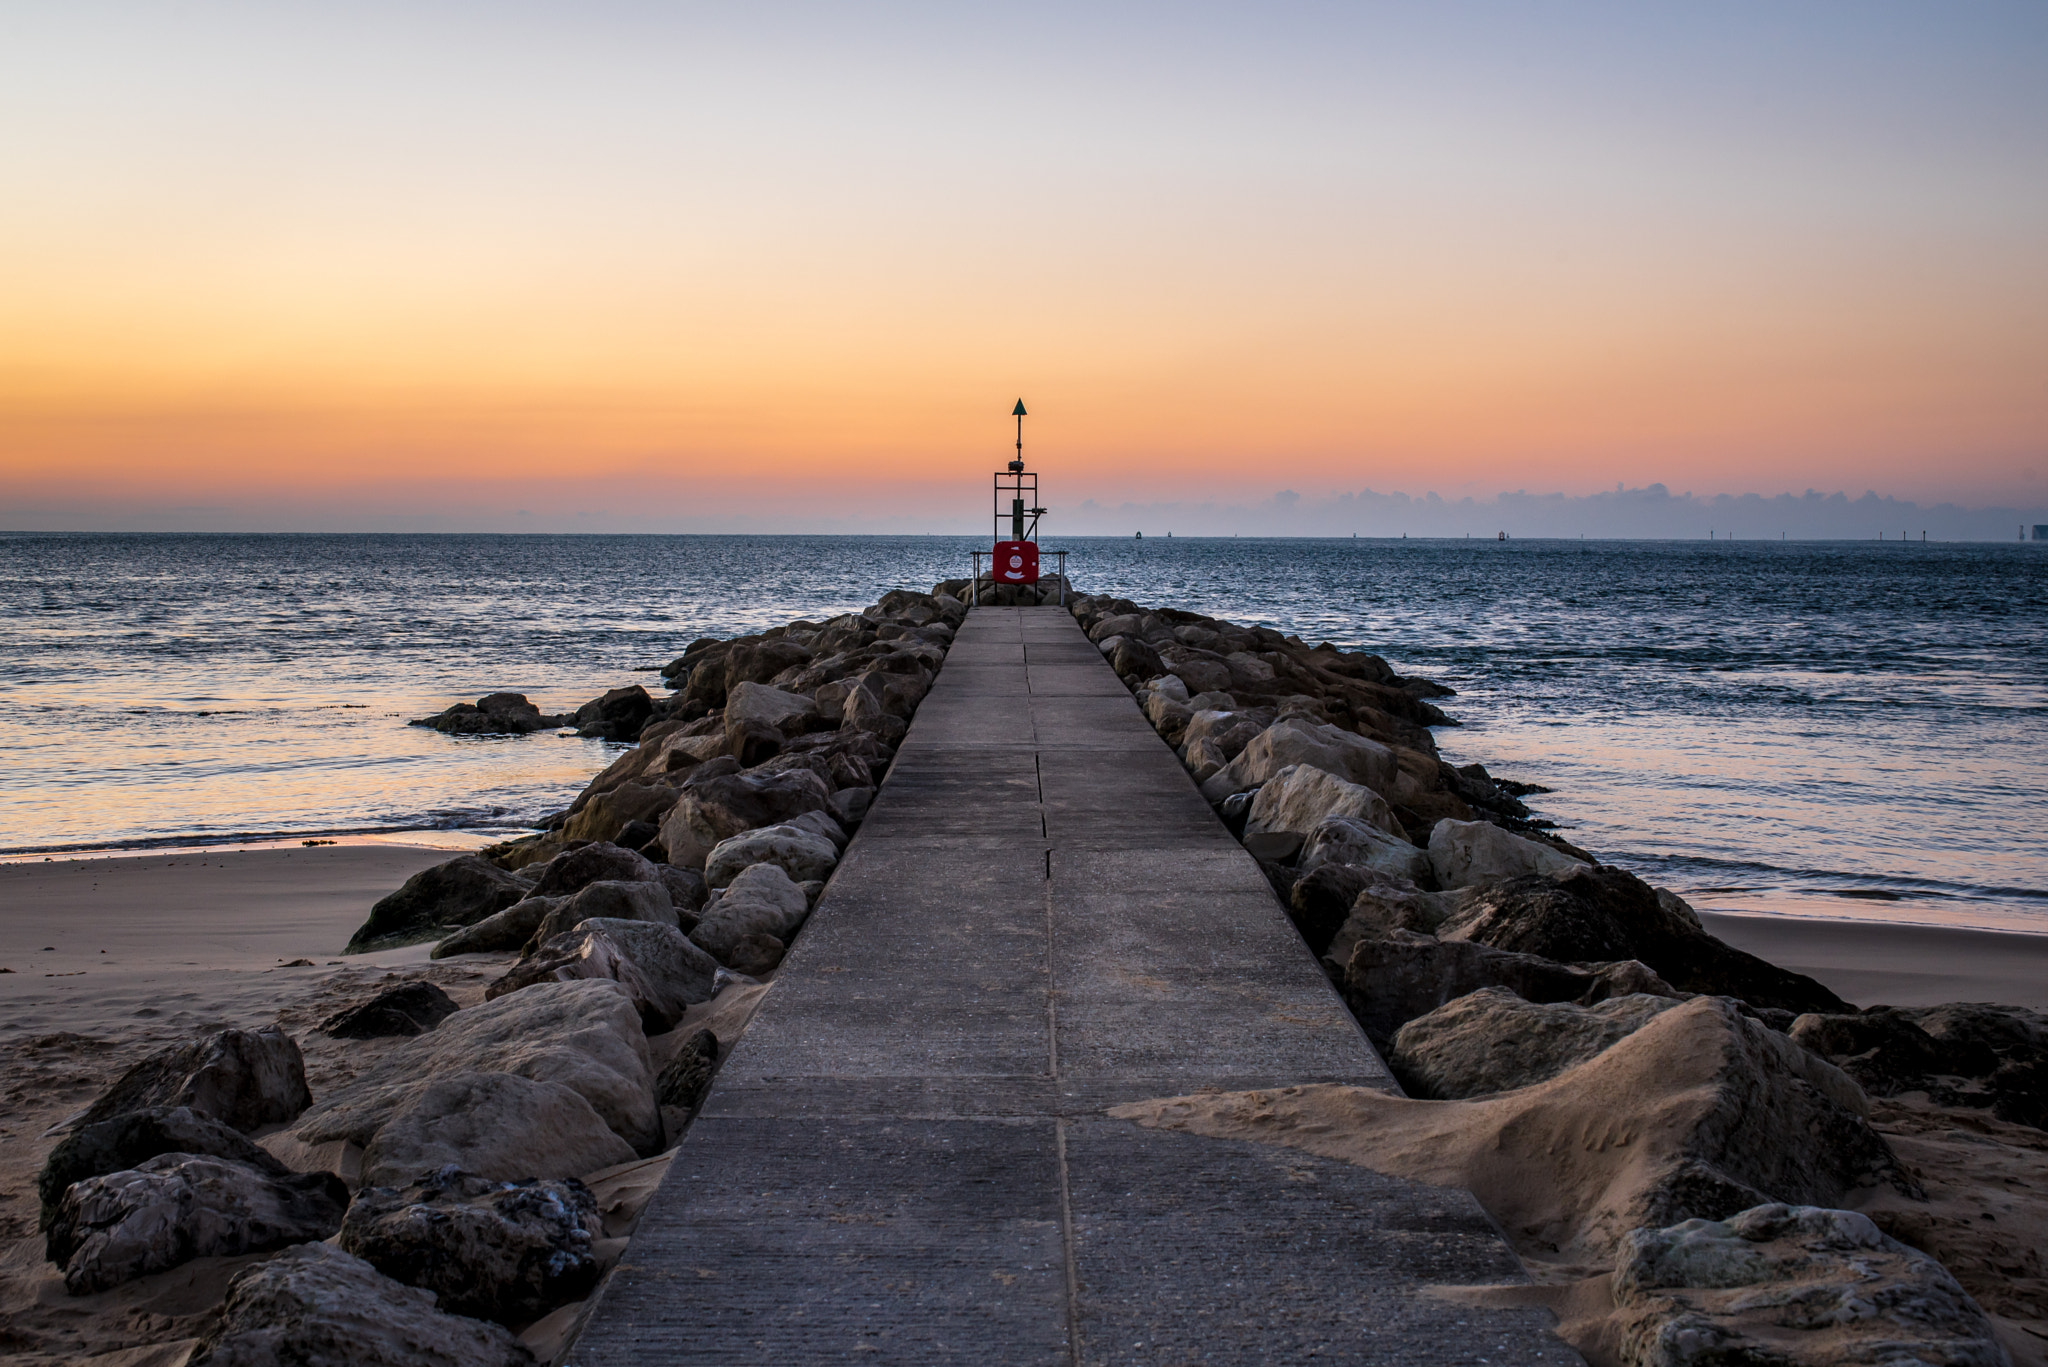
<point>598,862</point>
<point>1215,737</point>
<point>1317,745</point>
<point>1493,1041</point>
<point>460,892</point>
<point>790,714</point>
<point>617,715</point>
<point>1791,1284</point>
<point>608,815</point>
<point>2018,1040</point>
<point>1300,797</point>
<point>1381,906</point>
<point>1970,1054</point>
<point>821,823</point>
<point>720,808</point>
<point>662,971</point>
<point>504,1251</point>
<point>1467,853</point>
<point>762,900</point>
<point>132,1139</point>
<point>407,1009</point>
<point>1587,914</point>
<point>316,1306</point>
<point>245,1079</point>
<point>1391,979</point>
<point>802,854</point>
<point>605,901</point>
<point>585,1035</point>
<point>497,1125</point>
<point>511,928</point>
<point>1352,841</point>
<point>176,1207</point>
<point>494,714</point>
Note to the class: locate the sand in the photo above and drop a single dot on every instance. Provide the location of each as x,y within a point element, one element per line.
<point>1875,964</point>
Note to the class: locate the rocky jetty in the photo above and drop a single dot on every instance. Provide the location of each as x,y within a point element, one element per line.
<point>1705,1148</point>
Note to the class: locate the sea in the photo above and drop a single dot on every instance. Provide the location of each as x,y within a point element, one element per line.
<point>1832,729</point>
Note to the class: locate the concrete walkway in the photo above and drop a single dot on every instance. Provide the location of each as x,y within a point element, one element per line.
<point>906,1160</point>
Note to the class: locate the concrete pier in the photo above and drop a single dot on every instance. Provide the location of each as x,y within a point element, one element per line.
<point>906,1158</point>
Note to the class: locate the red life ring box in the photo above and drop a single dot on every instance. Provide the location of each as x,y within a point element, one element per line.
<point>1016,562</point>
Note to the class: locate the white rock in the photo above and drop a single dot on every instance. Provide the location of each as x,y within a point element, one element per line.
<point>1466,853</point>
<point>801,854</point>
<point>1351,840</point>
<point>1299,798</point>
<point>1318,745</point>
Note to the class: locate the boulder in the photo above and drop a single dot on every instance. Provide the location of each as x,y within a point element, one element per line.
<point>460,892</point>
<point>494,714</point>
<point>604,901</point>
<point>1169,716</point>
<point>762,900</point>
<point>617,715</point>
<point>498,1125</point>
<point>789,714</point>
<point>1300,797</point>
<point>1317,745</point>
<point>2017,1038</point>
<point>509,929</point>
<point>719,808</point>
<point>1493,1041</point>
<point>1381,906</point>
<point>755,954</point>
<point>132,1139</point>
<point>585,1035</point>
<point>1390,980</point>
<point>1588,913</point>
<point>495,1250</point>
<point>799,853</point>
<point>608,815</point>
<point>597,862</point>
<point>316,1306</point>
<point>245,1079</point>
<point>687,1077</point>
<point>849,806</point>
<point>1168,686</point>
<point>686,892</point>
<point>176,1207</point>
<point>1887,1052</point>
<point>1123,624</point>
<point>408,1009</point>
<point>1131,658</point>
<point>821,823</point>
<point>1467,853</point>
<point>1200,673</point>
<point>1358,843</point>
<point>662,971</point>
<point>1791,1284</point>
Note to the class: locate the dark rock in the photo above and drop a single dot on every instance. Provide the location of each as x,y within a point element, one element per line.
<point>244,1079</point>
<point>1275,847</point>
<point>759,661</point>
<point>1391,980</point>
<point>460,892</point>
<point>849,806</point>
<point>1132,659</point>
<point>755,954</point>
<point>408,1009</point>
<point>607,815</point>
<point>618,715</point>
<point>637,836</point>
<point>134,1138</point>
<point>316,1306</point>
<point>617,901</point>
<point>599,862</point>
<point>687,891</point>
<point>687,1077</point>
<point>1886,1052</point>
<point>504,1251</point>
<point>496,714</point>
<point>1320,902</point>
<point>176,1207</point>
<point>1606,913</point>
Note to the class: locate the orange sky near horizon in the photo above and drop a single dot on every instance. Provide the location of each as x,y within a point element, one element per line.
<point>1318,281</point>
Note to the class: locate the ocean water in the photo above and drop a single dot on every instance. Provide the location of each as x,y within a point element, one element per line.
<point>1830,729</point>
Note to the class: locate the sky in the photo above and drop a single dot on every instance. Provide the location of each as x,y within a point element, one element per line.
<point>646,266</point>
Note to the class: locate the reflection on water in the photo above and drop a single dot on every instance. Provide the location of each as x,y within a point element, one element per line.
<point>1763,726</point>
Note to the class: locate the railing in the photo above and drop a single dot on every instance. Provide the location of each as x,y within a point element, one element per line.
<point>1059,556</point>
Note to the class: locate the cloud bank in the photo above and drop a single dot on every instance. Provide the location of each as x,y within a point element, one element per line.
<point>1652,512</point>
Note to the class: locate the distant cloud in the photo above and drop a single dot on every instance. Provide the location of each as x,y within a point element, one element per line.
<point>1649,512</point>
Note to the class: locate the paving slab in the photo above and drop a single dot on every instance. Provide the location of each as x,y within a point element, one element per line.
<point>906,1158</point>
